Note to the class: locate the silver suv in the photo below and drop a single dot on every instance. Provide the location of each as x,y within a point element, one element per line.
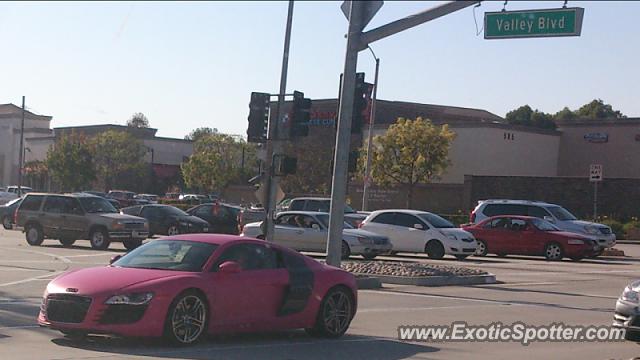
<point>555,214</point>
<point>71,217</point>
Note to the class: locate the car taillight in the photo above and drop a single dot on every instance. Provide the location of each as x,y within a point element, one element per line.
<point>472,217</point>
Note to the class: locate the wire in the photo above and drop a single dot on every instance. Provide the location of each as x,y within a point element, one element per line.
<point>475,20</point>
<point>504,7</point>
<point>565,4</point>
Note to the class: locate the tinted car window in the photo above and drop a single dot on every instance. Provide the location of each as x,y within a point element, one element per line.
<point>72,206</point>
<point>384,218</point>
<point>97,205</point>
<point>504,209</point>
<point>176,255</point>
<point>203,211</point>
<point>436,221</point>
<point>54,204</point>
<point>133,210</point>
<point>150,212</point>
<point>297,205</point>
<point>317,205</point>
<point>250,257</point>
<point>499,224</point>
<point>406,220</point>
<point>537,211</point>
<point>561,213</point>
<point>286,220</point>
<point>518,225</point>
<point>31,203</point>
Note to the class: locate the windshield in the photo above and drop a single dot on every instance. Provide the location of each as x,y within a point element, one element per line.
<point>96,205</point>
<point>436,221</point>
<point>561,213</point>
<point>177,255</point>
<point>544,225</point>
<point>324,219</point>
<point>174,211</point>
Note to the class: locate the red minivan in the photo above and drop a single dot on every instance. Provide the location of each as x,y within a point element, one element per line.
<point>525,235</point>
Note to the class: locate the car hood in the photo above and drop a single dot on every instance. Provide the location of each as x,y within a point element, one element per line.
<point>569,234</point>
<point>458,232</point>
<point>118,216</point>
<point>97,280</point>
<point>363,233</point>
<point>577,225</point>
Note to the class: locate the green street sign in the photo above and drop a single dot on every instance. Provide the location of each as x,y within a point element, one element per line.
<point>533,23</point>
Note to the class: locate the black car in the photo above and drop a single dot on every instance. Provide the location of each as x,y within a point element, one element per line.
<point>6,213</point>
<point>222,218</point>
<point>167,220</point>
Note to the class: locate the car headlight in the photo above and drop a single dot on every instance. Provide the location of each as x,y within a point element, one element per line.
<point>130,299</point>
<point>575,242</point>
<point>451,236</point>
<point>629,295</point>
<point>590,229</point>
<point>365,240</point>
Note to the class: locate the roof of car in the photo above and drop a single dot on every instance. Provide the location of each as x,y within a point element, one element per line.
<point>522,217</point>
<point>510,201</point>
<point>219,239</point>
<point>406,211</point>
<point>311,198</point>
<point>65,194</point>
<point>303,212</point>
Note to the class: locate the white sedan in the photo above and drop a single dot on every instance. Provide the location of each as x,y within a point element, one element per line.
<point>307,231</point>
<point>421,231</point>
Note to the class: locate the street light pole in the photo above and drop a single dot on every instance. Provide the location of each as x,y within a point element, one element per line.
<point>372,120</point>
<point>21,155</point>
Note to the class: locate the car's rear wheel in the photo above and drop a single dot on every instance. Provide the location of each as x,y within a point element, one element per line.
<point>67,242</point>
<point>6,222</point>
<point>131,244</point>
<point>335,314</point>
<point>553,251</point>
<point>434,249</point>
<point>99,239</point>
<point>173,230</point>
<point>187,319</point>
<point>345,251</point>
<point>481,249</point>
<point>34,234</point>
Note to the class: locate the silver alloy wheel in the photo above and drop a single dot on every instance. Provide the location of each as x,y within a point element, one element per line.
<point>33,235</point>
<point>97,239</point>
<point>6,222</point>
<point>173,230</point>
<point>481,249</point>
<point>337,313</point>
<point>553,252</point>
<point>188,319</point>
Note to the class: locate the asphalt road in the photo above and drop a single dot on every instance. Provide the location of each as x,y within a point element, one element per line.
<point>531,290</point>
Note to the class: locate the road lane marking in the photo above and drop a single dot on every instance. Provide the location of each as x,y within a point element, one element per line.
<point>35,278</point>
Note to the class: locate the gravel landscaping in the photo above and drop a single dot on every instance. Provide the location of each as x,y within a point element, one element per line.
<point>407,269</point>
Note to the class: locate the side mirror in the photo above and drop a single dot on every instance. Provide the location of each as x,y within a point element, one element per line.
<point>229,267</point>
<point>418,226</point>
<point>549,219</point>
<point>315,226</point>
<point>114,259</point>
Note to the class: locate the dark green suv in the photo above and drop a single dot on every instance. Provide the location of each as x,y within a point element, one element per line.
<point>71,217</point>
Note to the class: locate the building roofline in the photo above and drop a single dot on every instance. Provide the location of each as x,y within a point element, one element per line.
<point>598,122</point>
<point>486,124</point>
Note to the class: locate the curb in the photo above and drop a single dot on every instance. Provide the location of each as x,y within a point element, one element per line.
<point>437,280</point>
<point>628,242</point>
<point>368,282</point>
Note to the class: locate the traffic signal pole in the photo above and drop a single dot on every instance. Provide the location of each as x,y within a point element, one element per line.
<point>372,120</point>
<point>274,143</point>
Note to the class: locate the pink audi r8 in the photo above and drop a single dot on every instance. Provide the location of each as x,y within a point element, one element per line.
<point>186,286</point>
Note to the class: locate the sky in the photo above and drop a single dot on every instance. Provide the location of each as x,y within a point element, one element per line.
<point>192,64</point>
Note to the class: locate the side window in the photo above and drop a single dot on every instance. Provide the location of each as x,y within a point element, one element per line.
<point>203,211</point>
<point>308,222</point>
<point>407,220</point>
<point>150,212</point>
<point>72,206</point>
<point>134,210</point>
<point>504,209</point>
<point>384,218</point>
<point>537,211</point>
<point>31,203</point>
<point>499,224</point>
<point>250,257</point>
<point>297,205</point>
<point>54,204</point>
<point>518,225</point>
<point>317,205</point>
<point>286,220</point>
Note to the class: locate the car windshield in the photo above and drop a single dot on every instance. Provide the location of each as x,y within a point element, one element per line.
<point>176,255</point>
<point>94,204</point>
<point>544,225</point>
<point>561,213</point>
<point>324,219</point>
<point>436,221</point>
<point>174,211</point>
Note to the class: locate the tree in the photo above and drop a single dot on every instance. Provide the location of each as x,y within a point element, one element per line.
<point>70,162</point>
<point>597,109</point>
<point>525,116</point>
<point>410,152</point>
<point>217,161</point>
<point>119,160</point>
<point>200,132</point>
<point>564,115</point>
<point>138,120</point>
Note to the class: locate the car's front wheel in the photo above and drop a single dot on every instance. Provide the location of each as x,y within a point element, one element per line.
<point>553,251</point>
<point>6,222</point>
<point>335,314</point>
<point>34,234</point>
<point>434,249</point>
<point>99,239</point>
<point>173,230</point>
<point>187,319</point>
<point>481,249</point>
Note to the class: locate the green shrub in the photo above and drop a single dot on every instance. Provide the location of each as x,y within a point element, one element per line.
<point>630,228</point>
<point>616,227</point>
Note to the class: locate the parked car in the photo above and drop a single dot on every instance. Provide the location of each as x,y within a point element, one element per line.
<point>194,198</point>
<point>167,219</point>
<point>526,235</point>
<point>15,190</point>
<point>125,198</point>
<point>318,204</point>
<point>95,193</point>
<point>7,212</point>
<point>114,202</point>
<point>421,232</point>
<point>222,218</point>
<point>248,216</point>
<point>12,193</point>
<point>355,219</point>
<point>149,198</point>
<point>307,231</point>
<point>555,214</point>
<point>71,217</point>
<point>627,313</point>
<point>202,284</point>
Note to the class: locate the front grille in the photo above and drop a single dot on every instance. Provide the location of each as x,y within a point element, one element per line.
<point>134,225</point>
<point>605,231</point>
<point>67,308</point>
<point>122,314</point>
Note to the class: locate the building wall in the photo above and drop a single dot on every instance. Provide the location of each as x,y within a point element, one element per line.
<point>620,155</point>
<point>10,144</point>
<point>168,151</point>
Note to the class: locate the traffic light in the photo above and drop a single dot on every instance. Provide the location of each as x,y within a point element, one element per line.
<point>258,117</point>
<point>284,165</point>
<point>300,115</point>
<point>359,104</point>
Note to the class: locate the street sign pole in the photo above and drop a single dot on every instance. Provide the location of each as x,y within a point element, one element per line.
<point>21,155</point>
<point>595,200</point>
<point>595,176</point>
<point>274,143</point>
<point>372,120</point>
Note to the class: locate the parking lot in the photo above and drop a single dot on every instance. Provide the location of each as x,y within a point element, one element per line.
<point>530,290</point>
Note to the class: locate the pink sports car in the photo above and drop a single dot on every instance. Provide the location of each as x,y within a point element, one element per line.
<point>182,287</point>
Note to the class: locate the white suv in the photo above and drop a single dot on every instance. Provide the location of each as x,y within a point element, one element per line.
<point>555,214</point>
<point>421,231</point>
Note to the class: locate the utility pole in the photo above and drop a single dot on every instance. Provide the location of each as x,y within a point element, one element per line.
<point>372,121</point>
<point>21,155</point>
<point>358,41</point>
<point>273,142</point>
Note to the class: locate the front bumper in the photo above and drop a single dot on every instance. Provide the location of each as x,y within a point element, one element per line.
<point>462,248</point>
<point>129,234</point>
<point>604,241</point>
<point>627,316</point>
<point>371,249</point>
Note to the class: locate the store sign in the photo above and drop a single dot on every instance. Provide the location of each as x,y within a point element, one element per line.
<point>597,137</point>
